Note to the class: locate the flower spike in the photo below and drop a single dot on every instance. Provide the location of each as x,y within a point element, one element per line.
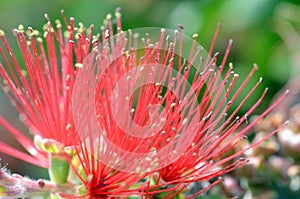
<point>142,112</point>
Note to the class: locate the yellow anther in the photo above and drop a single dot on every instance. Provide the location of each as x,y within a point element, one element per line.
<point>2,33</point>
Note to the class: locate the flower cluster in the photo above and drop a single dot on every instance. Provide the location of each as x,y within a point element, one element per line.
<point>115,115</point>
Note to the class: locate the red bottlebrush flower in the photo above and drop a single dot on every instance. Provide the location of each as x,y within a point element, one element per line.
<point>42,90</point>
<point>144,119</point>
<point>43,97</point>
<point>158,110</point>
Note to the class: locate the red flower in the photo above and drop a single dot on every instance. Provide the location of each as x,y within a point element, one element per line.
<point>142,120</point>
<point>152,110</point>
<point>44,98</point>
<point>42,92</point>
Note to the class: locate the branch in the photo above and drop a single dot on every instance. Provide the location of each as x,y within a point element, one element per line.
<point>14,185</point>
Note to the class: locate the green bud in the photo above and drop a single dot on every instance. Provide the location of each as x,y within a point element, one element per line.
<point>59,169</point>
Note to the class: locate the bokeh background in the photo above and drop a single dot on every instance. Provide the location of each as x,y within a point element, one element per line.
<point>265,32</point>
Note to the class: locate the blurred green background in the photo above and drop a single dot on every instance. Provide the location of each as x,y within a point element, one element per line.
<point>265,32</point>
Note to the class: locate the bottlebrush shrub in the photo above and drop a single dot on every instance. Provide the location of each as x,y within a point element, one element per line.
<point>138,113</point>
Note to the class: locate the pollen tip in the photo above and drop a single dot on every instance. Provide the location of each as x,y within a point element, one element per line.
<point>118,9</point>
<point>45,34</point>
<point>118,12</point>
<point>109,16</point>
<point>286,92</point>
<point>180,26</point>
<point>286,122</point>
<point>151,46</point>
<point>175,32</point>
<point>260,80</point>
<point>78,65</point>
<point>58,23</point>
<point>231,65</point>
<point>21,27</point>
<point>16,31</point>
<point>219,26</point>
<point>195,36</point>
<point>2,33</point>
<point>216,54</point>
<point>40,40</point>
<point>255,66</point>
<point>30,29</point>
<point>167,37</point>
<point>230,42</point>
<point>46,16</point>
